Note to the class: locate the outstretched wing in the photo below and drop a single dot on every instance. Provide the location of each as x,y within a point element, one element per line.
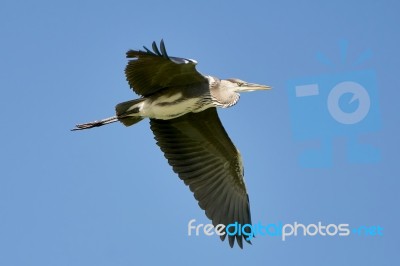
<point>149,72</point>
<point>201,153</point>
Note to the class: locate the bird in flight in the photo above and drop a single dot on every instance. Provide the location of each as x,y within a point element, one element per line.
<point>181,105</point>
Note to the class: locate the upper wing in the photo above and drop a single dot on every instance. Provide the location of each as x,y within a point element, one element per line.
<point>201,153</point>
<point>149,72</point>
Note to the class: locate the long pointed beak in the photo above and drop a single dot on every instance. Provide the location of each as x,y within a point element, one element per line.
<point>253,87</point>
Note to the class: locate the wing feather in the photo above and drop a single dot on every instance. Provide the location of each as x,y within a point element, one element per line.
<point>202,154</point>
<point>148,71</point>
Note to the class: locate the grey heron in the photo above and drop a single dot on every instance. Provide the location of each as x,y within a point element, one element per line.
<point>181,105</point>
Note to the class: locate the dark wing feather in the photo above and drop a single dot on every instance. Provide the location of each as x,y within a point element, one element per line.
<point>149,72</point>
<point>201,153</point>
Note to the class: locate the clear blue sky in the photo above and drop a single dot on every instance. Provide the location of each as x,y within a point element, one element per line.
<point>108,197</point>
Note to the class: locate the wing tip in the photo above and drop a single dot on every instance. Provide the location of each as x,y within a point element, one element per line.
<point>160,52</point>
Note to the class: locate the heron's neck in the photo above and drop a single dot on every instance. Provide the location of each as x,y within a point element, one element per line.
<point>222,96</point>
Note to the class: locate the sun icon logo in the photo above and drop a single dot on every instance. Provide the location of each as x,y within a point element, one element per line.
<point>345,104</point>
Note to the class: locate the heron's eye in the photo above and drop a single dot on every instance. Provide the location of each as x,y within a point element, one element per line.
<point>240,84</point>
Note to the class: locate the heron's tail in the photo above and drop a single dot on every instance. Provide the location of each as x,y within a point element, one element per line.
<point>127,114</point>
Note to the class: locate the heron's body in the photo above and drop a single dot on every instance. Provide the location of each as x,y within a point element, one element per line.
<point>181,104</point>
<point>174,102</point>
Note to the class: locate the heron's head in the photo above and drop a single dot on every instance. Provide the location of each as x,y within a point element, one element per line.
<point>242,86</point>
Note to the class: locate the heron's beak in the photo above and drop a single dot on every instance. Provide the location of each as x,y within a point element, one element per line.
<point>253,87</point>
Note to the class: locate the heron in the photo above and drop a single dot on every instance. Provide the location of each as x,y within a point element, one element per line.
<point>181,104</point>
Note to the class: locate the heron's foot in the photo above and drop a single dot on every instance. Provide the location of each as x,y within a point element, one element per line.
<point>97,123</point>
<point>87,125</point>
